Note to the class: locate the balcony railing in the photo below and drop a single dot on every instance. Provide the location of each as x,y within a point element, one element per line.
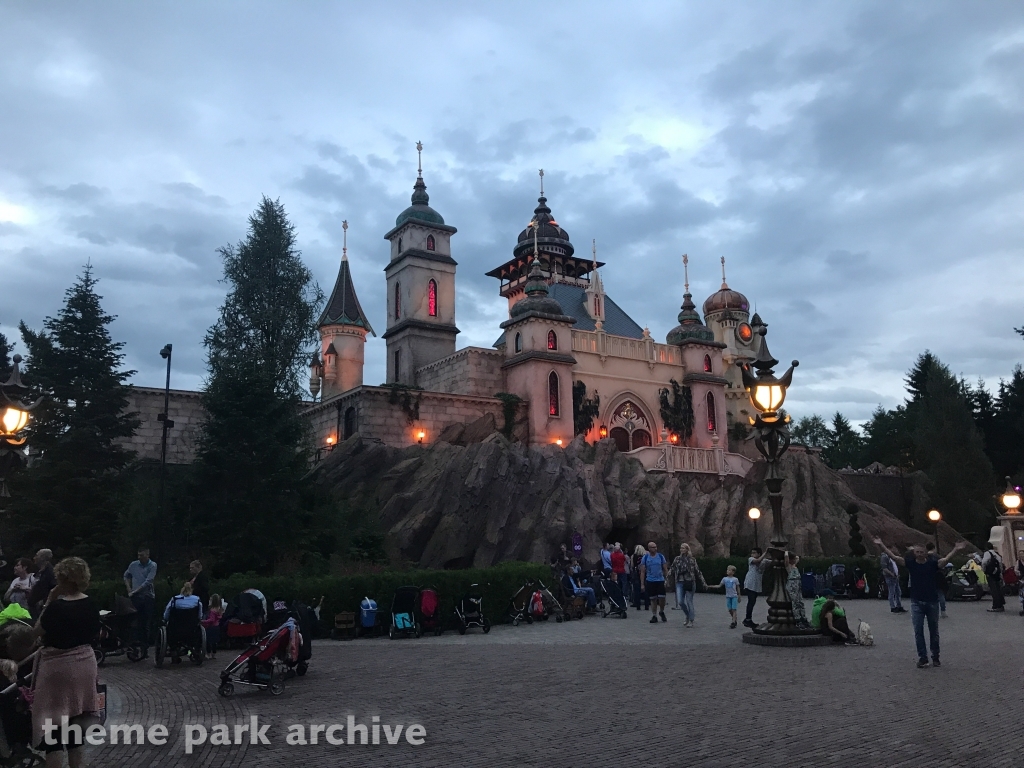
<point>676,458</point>
<point>607,345</point>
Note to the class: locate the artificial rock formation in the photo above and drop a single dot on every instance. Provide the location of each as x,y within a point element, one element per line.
<point>445,505</point>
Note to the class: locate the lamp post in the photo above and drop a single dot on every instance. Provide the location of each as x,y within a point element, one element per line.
<point>15,413</point>
<point>754,514</point>
<point>771,436</point>
<point>934,516</point>
<point>166,424</point>
<point>1011,498</point>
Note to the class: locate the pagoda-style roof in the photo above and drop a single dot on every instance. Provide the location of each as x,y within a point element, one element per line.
<point>555,269</point>
<point>343,306</point>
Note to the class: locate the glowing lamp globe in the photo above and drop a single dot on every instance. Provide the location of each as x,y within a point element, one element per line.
<point>934,515</point>
<point>1011,499</point>
<point>13,421</point>
<point>754,513</point>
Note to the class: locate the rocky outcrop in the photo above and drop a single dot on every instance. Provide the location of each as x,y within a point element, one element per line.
<point>484,502</point>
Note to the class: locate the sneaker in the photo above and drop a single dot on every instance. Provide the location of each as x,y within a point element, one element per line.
<point>944,615</point>
<point>996,610</point>
<point>654,619</point>
<point>749,623</point>
<point>922,663</point>
<point>936,662</point>
<point>662,614</point>
<point>733,625</point>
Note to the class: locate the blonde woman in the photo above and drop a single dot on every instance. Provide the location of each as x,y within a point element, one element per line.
<point>688,576</point>
<point>65,677</point>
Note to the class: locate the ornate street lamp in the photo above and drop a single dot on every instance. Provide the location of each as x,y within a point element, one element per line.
<point>934,516</point>
<point>1011,498</point>
<point>771,436</point>
<point>754,514</point>
<point>15,413</point>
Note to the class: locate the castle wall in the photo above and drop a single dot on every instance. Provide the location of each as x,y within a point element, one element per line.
<point>186,411</point>
<point>470,371</point>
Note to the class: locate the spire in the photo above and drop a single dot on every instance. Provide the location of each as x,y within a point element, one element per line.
<point>419,159</point>
<point>419,189</point>
<point>541,172</point>
<point>725,286</point>
<point>343,306</point>
<point>690,327</point>
<point>686,274</point>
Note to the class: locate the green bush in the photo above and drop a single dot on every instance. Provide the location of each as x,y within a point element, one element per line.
<point>343,593</point>
<point>713,568</point>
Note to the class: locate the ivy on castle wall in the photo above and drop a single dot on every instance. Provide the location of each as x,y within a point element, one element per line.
<point>408,398</point>
<point>677,410</point>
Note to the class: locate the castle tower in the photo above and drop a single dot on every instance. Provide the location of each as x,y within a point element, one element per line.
<point>421,287</point>
<point>343,327</point>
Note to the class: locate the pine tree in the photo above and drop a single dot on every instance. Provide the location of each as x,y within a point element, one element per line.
<point>68,499</point>
<point>252,454</point>
<point>811,431</point>
<point>1006,442</point>
<point>843,446</point>
<point>584,409</point>
<point>888,439</point>
<point>917,377</point>
<point>5,358</point>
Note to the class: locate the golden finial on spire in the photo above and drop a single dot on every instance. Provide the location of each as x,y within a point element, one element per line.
<point>419,157</point>
<point>344,240</point>
<point>724,284</point>
<point>686,273</point>
<point>541,172</point>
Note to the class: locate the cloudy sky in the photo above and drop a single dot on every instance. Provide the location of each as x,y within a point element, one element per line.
<point>860,165</point>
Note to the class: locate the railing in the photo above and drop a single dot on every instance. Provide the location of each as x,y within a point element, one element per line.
<point>675,458</point>
<point>607,345</point>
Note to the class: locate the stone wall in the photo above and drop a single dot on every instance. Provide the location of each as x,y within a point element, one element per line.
<point>376,419</point>
<point>470,371</point>
<point>186,412</point>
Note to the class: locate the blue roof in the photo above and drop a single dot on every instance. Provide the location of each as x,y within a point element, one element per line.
<point>573,299</point>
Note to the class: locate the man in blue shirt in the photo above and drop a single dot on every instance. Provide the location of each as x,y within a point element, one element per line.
<point>924,595</point>
<point>606,560</point>
<point>139,580</point>
<point>652,580</point>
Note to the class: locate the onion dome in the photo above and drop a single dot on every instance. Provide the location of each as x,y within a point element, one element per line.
<point>726,298</point>
<point>419,209</point>
<point>551,237</point>
<point>537,298</point>
<point>690,327</point>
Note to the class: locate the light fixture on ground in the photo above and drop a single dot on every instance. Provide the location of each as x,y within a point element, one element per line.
<point>771,437</point>
<point>934,516</point>
<point>754,514</point>
<point>15,414</point>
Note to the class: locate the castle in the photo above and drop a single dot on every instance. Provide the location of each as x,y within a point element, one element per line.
<point>563,335</point>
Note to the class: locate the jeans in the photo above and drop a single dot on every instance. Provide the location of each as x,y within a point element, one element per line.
<point>919,611</point>
<point>893,587</point>
<point>144,605</point>
<point>687,603</point>
<point>588,592</point>
<point>942,601</point>
<point>751,596</point>
<point>623,581</point>
<point>212,638</point>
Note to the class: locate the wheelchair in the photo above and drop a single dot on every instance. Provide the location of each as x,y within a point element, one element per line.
<point>182,635</point>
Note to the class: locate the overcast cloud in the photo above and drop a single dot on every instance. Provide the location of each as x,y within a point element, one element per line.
<point>859,165</point>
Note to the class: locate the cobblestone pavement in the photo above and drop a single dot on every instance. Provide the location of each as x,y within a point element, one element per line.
<point>608,692</point>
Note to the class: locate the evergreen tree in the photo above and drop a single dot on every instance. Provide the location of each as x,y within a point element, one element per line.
<point>917,377</point>
<point>1006,441</point>
<point>67,500</point>
<point>677,410</point>
<point>584,409</point>
<point>5,358</point>
<point>252,452</point>
<point>811,431</point>
<point>888,439</point>
<point>843,446</point>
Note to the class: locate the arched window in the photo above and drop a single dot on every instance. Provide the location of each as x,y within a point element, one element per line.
<point>350,422</point>
<point>398,301</point>
<point>597,306</point>
<point>553,394</point>
<point>398,365</point>
<point>430,242</point>
<point>432,298</point>
<point>552,340</point>
<point>707,365</point>
<point>518,347</point>
<point>712,412</point>
<point>399,245</point>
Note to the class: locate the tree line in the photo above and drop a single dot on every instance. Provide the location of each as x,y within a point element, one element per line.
<point>964,438</point>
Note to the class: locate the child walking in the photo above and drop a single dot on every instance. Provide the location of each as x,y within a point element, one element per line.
<point>732,592</point>
<point>212,624</point>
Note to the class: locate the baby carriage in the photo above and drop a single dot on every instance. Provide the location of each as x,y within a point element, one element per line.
<point>551,604</point>
<point>519,605</point>
<point>616,602</point>
<point>469,612</point>
<point>403,613</point>
<point>116,632</point>
<point>963,584</point>
<point>266,663</point>
<point>243,619</point>
<point>857,584</point>
<point>808,584</point>
<point>429,610</point>
<point>182,635</point>
<point>16,721</point>
<point>835,577</point>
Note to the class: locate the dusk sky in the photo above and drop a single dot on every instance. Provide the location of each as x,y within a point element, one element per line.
<point>859,165</point>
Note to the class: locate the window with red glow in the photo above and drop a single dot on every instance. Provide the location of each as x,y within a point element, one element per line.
<point>707,365</point>
<point>552,340</point>
<point>712,415</point>
<point>553,394</point>
<point>597,306</point>
<point>430,242</point>
<point>432,298</point>
<point>398,301</point>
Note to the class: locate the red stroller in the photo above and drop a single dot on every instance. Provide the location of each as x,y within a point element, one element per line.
<point>429,606</point>
<point>267,662</point>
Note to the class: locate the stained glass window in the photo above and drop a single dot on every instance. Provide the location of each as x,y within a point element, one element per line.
<point>707,364</point>
<point>712,412</point>
<point>553,394</point>
<point>430,242</point>
<point>432,298</point>
<point>552,340</point>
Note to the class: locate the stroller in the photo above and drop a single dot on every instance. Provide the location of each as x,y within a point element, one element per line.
<point>616,601</point>
<point>403,613</point>
<point>519,605</point>
<point>265,664</point>
<point>243,619</point>
<point>429,610</point>
<point>182,635</point>
<point>552,606</point>
<point>808,584</point>
<point>16,721</point>
<point>963,584</point>
<point>835,577</point>
<point>470,611</point>
<point>857,583</point>
<point>116,631</point>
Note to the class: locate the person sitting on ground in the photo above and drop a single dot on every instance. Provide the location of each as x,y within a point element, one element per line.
<point>830,619</point>
<point>21,587</point>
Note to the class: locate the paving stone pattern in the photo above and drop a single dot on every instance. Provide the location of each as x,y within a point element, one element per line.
<point>616,692</point>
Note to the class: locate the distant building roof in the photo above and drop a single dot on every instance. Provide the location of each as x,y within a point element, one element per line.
<point>343,307</point>
<point>573,299</point>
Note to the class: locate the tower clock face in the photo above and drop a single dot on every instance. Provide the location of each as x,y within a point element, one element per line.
<point>744,332</point>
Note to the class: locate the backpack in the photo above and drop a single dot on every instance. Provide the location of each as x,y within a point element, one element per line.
<point>994,568</point>
<point>537,604</point>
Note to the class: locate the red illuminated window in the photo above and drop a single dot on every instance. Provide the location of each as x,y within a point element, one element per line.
<point>552,340</point>
<point>597,306</point>
<point>430,242</point>
<point>398,301</point>
<point>553,394</point>
<point>432,298</point>
<point>712,415</point>
<point>707,365</point>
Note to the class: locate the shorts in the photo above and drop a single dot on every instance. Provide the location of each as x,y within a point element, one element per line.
<point>655,589</point>
<point>732,603</point>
